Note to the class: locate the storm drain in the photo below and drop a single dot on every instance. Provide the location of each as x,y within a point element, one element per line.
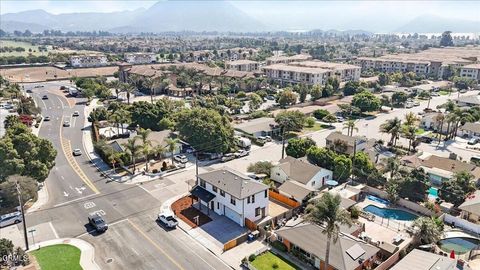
<point>109,260</point>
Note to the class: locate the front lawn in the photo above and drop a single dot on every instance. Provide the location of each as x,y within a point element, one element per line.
<point>443,92</point>
<point>316,127</point>
<point>268,261</point>
<point>419,131</point>
<point>58,257</point>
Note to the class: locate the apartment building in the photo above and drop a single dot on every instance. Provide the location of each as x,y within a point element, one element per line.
<point>140,58</point>
<point>242,65</point>
<point>232,194</point>
<point>282,59</point>
<point>471,71</point>
<point>312,72</point>
<point>394,65</point>
<point>88,60</point>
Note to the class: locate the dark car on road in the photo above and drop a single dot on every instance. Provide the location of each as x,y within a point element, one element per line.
<point>98,223</point>
<point>45,97</point>
<point>425,139</point>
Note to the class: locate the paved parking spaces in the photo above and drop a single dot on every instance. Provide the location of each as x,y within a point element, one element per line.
<point>221,229</point>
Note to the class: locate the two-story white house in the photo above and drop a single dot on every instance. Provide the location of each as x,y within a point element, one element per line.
<point>303,174</point>
<point>232,194</point>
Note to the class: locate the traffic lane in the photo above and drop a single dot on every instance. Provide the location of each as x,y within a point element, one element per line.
<point>122,246</point>
<point>181,247</point>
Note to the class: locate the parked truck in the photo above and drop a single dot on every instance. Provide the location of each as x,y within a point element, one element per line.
<point>244,143</point>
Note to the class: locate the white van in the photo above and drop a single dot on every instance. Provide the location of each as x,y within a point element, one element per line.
<point>10,219</point>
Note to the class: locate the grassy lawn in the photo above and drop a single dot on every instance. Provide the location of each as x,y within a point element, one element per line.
<point>419,131</point>
<point>58,257</point>
<point>268,259</point>
<point>443,92</point>
<point>315,127</point>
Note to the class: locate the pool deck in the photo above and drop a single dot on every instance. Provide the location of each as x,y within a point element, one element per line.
<point>461,234</point>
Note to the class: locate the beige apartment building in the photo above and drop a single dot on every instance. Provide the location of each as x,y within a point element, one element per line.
<point>282,59</point>
<point>471,71</point>
<point>88,60</point>
<point>312,72</point>
<point>242,65</point>
<point>140,58</point>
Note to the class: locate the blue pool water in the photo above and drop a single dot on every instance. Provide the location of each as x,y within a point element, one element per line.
<point>433,192</point>
<point>379,200</point>
<point>461,245</point>
<point>390,213</point>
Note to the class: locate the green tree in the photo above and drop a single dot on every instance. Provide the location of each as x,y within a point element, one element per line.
<point>143,135</point>
<point>133,151</point>
<point>351,88</point>
<point>289,121</point>
<point>383,79</point>
<point>205,129</point>
<point>446,40</point>
<point>342,168</point>
<point>316,92</point>
<point>255,102</point>
<point>172,145</point>
<point>428,230</point>
<point>6,247</point>
<point>327,213</point>
<point>322,157</point>
<point>260,167</point>
<point>11,120</point>
<point>287,97</point>
<point>456,189</point>
<point>9,195</point>
<point>366,102</point>
<point>297,147</point>
<point>399,98</point>
<point>129,89</point>
<point>362,166</point>
<point>320,113</point>
<point>310,122</point>
<point>392,127</point>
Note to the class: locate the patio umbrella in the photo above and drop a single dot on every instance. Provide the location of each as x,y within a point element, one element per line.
<point>331,183</point>
<point>452,254</point>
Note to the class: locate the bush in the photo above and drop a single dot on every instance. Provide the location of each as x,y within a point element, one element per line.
<point>320,113</point>
<point>354,212</point>
<point>275,265</point>
<point>155,171</point>
<point>310,122</point>
<point>252,257</point>
<point>280,246</point>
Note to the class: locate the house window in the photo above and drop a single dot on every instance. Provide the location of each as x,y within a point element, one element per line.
<point>218,205</point>
<point>233,201</point>
<point>266,193</point>
<point>222,193</point>
<point>248,199</point>
<point>202,183</point>
<point>257,211</point>
<point>253,198</point>
<point>313,183</point>
<point>214,188</point>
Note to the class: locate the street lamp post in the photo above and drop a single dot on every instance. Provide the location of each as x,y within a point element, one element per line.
<point>23,215</point>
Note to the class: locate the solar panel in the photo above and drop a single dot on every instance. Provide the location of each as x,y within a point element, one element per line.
<point>355,251</point>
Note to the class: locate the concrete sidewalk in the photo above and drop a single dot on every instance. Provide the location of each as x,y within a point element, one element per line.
<point>87,256</point>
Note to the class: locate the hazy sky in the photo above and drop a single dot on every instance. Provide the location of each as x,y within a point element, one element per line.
<point>289,14</point>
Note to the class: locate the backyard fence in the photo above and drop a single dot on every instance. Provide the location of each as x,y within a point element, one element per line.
<point>283,199</point>
<point>389,262</point>
<point>461,223</point>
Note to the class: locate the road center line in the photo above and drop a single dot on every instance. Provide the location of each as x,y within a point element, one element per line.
<point>74,200</point>
<point>155,244</point>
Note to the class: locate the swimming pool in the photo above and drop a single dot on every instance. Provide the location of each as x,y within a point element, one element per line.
<point>377,199</point>
<point>433,193</point>
<point>461,245</point>
<point>390,213</point>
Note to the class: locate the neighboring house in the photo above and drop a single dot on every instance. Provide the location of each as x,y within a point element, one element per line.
<point>157,138</point>
<point>140,58</point>
<point>309,175</point>
<point>471,72</point>
<point>423,260</point>
<point>296,190</point>
<point>88,60</point>
<point>232,194</point>
<point>471,100</point>
<point>471,208</point>
<point>242,65</point>
<point>345,144</point>
<point>263,126</point>
<point>377,153</point>
<point>347,253</point>
<point>469,129</point>
<point>431,121</point>
<point>440,169</point>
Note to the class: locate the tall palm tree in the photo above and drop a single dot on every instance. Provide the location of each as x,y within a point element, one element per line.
<point>409,132</point>
<point>392,127</point>
<point>116,118</point>
<point>428,230</point>
<point>350,127</point>
<point>410,119</point>
<point>133,151</point>
<point>327,213</point>
<point>450,118</point>
<point>392,166</point>
<point>146,144</point>
<point>172,145</point>
<point>116,85</point>
<point>439,119</point>
<point>129,89</point>
<point>123,117</point>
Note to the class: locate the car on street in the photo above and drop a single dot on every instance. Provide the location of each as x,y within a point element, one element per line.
<point>10,219</point>
<point>416,103</point>
<point>425,139</point>
<point>47,118</point>
<point>39,86</point>
<point>270,97</point>
<point>66,123</point>
<point>473,141</point>
<point>77,152</point>
<point>29,91</point>
<point>228,157</point>
<point>44,97</point>
<point>98,223</point>
<point>168,220</point>
<point>241,153</point>
<point>180,159</point>
<point>76,113</point>
<point>340,119</point>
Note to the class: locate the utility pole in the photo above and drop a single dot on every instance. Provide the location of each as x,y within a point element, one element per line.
<point>23,215</point>
<point>283,142</point>
<point>353,161</point>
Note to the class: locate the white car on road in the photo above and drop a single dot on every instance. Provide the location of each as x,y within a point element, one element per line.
<point>168,219</point>
<point>10,219</point>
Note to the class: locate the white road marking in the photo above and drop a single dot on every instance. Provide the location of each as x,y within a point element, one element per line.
<point>63,178</point>
<point>98,212</point>
<point>116,222</point>
<point>78,190</point>
<point>134,251</point>
<point>53,230</point>
<point>65,194</point>
<point>74,200</point>
<point>140,186</point>
<point>89,205</point>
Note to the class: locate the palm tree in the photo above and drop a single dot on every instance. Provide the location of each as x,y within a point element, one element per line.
<point>146,144</point>
<point>450,118</point>
<point>116,86</point>
<point>439,119</point>
<point>133,150</point>
<point>116,118</point>
<point>410,119</point>
<point>172,145</point>
<point>392,127</point>
<point>327,213</point>
<point>409,132</point>
<point>129,89</point>
<point>428,230</point>
<point>350,126</point>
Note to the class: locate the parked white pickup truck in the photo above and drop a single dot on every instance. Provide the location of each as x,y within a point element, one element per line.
<point>168,219</point>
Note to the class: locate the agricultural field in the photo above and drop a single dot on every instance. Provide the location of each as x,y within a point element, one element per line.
<point>32,49</point>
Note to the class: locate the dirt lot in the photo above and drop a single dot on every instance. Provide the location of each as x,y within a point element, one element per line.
<point>185,211</point>
<point>41,74</point>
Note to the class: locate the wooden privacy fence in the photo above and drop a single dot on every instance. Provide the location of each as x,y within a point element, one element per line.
<point>250,224</point>
<point>230,244</point>
<point>283,199</point>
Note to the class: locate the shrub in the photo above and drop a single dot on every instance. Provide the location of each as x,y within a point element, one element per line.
<point>280,246</point>
<point>320,113</point>
<point>252,257</point>
<point>354,212</point>
<point>275,265</point>
<point>310,121</point>
<point>155,170</point>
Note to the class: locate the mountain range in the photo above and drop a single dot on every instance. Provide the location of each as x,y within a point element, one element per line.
<point>222,16</point>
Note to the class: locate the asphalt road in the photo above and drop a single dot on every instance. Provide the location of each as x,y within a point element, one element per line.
<point>134,240</point>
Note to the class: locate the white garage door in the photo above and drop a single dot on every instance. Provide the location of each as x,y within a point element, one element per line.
<point>232,215</point>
